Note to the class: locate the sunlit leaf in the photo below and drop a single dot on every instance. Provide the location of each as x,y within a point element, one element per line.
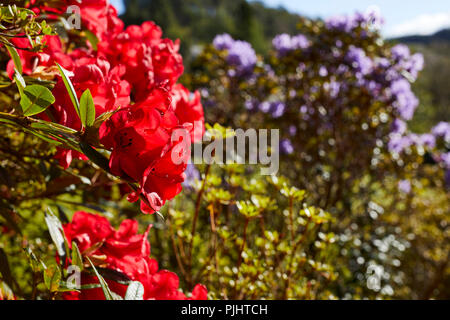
<point>15,57</point>
<point>105,288</point>
<point>70,89</point>
<point>52,277</point>
<point>87,109</point>
<point>35,99</point>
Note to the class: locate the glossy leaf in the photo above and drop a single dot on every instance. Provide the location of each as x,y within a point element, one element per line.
<point>105,288</point>
<point>70,89</point>
<point>35,99</point>
<point>87,109</point>
<point>15,57</point>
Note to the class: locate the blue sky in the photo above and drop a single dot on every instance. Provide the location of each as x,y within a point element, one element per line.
<point>403,17</point>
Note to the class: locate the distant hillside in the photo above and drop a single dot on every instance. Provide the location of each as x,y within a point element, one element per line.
<point>198,21</point>
<point>440,36</point>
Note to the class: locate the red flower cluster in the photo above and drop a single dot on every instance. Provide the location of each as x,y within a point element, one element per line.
<point>125,251</point>
<point>137,70</point>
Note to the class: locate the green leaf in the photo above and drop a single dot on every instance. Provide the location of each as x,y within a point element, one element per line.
<point>43,137</point>
<point>70,88</point>
<point>135,291</point>
<point>77,258</point>
<point>87,109</point>
<point>106,291</point>
<point>16,58</point>
<point>36,99</point>
<point>92,38</point>
<point>52,277</point>
<point>35,263</point>
<point>20,82</point>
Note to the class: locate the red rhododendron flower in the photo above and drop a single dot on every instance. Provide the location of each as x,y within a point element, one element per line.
<point>150,60</point>
<point>189,109</point>
<point>133,69</point>
<point>52,52</point>
<point>125,251</point>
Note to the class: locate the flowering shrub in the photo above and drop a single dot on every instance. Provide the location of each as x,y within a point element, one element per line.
<point>98,92</point>
<point>341,98</point>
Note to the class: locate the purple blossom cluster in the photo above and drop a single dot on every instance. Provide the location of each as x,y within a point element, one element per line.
<point>442,130</point>
<point>405,101</point>
<point>403,60</point>
<point>346,69</point>
<point>275,108</point>
<point>399,140</point>
<point>358,59</point>
<point>223,42</point>
<point>285,43</point>
<point>241,55</point>
<point>347,23</point>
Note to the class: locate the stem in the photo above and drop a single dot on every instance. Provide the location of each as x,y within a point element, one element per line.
<point>291,218</point>
<point>244,240</point>
<point>197,210</point>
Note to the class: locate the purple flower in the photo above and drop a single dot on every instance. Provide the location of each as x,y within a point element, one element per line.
<point>284,43</point>
<point>415,64</point>
<point>382,63</point>
<point>300,42</point>
<point>333,88</point>
<point>278,109</point>
<point>404,186</point>
<point>400,52</point>
<point>286,146</point>
<point>445,158</point>
<point>405,100</point>
<point>405,61</point>
<point>251,104</point>
<point>398,143</point>
<point>427,140</point>
<point>292,130</point>
<point>264,106</point>
<point>242,55</point>
<point>399,126</point>
<point>347,23</point>
<point>442,129</point>
<point>303,109</point>
<point>323,72</point>
<point>192,174</point>
<point>358,59</point>
<point>341,23</point>
<point>223,41</point>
